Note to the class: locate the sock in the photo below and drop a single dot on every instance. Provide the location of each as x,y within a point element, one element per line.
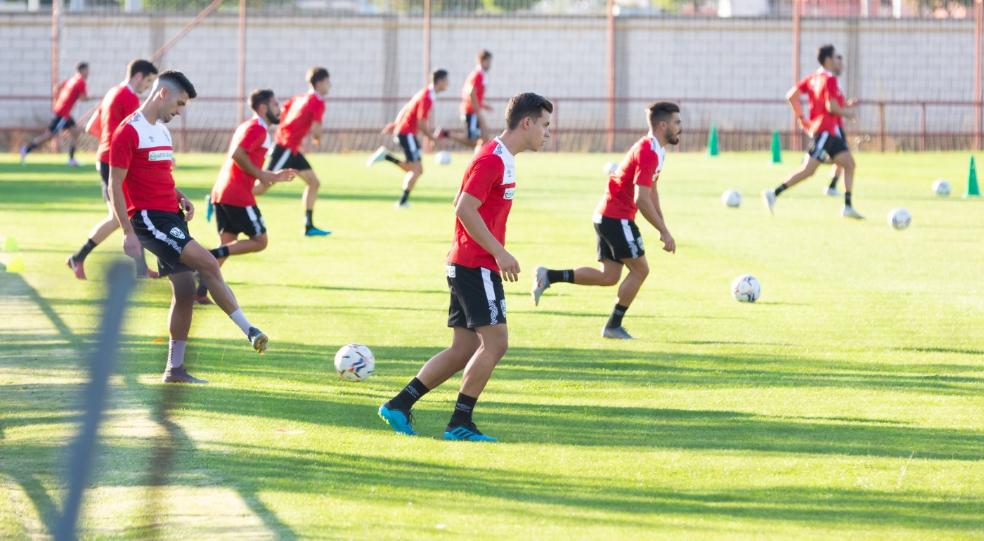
<point>308,220</point>
<point>463,410</point>
<point>71,152</point>
<point>84,251</point>
<point>240,318</point>
<point>557,276</point>
<point>617,314</point>
<point>220,252</point>
<point>176,353</point>
<point>847,199</point>
<point>202,289</point>
<point>392,159</point>
<point>405,197</point>
<point>780,188</point>
<point>408,396</point>
<point>833,181</point>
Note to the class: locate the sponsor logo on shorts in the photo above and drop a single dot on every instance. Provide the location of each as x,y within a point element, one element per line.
<point>638,242</point>
<point>502,306</point>
<point>493,313</point>
<point>160,155</point>
<point>509,193</point>
<point>177,233</point>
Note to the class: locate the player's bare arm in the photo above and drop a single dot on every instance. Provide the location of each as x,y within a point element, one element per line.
<point>793,98</point>
<point>466,209</point>
<point>647,201</point>
<point>267,178</point>
<point>131,244</point>
<point>186,206</point>
<point>846,112</point>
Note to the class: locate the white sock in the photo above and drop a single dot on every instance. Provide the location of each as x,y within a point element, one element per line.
<point>176,353</point>
<point>240,318</point>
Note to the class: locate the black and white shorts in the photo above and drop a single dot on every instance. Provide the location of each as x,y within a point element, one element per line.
<point>103,168</point>
<point>826,145</point>
<point>472,129</point>
<point>618,239</point>
<point>233,219</point>
<point>60,123</point>
<point>477,298</point>
<point>284,158</point>
<point>411,149</point>
<point>165,235</point>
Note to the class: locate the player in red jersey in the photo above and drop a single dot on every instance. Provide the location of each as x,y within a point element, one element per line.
<point>155,215</point>
<point>477,259</point>
<point>302,116</point>
<point>473,105</point>
<point>827,109</point>
<point>69,92</point>
<point>414,118</point>
<point>631,188</point>
<point>235,204</point>
<point>120,102</point>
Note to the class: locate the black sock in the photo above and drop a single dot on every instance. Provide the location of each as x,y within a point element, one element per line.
<point>84,251</point>
<point>405,197</point>
<point>847,198</point>
<point>220,252</point>
<point>557,276</point>
<point>616,320</point>
<point>30,147</point>
<point>833,181</point>
<point>408,396</point>
<point>781,188</point>
<point>202,289</point>
<point>392,159</point>
<point>308,220</point>
<point>71,152</point>
<point>463,410</point>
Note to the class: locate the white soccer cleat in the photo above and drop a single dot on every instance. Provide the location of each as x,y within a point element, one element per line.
<point>403,205</point>
<point>23,154</point>
<point>769,197</point>
<point>540,284</point>
<point>849,212</point>
<point>831,192</point>
<point>377,156</point>
<point>73,163</point>
<point>616,333</point>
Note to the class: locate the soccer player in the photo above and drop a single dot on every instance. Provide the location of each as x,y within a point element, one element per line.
<point>472,105</point>
<point>155,215</point>
<point>69,92</point>
<point>302,116</point>
<point>120,102</point>
<point>827,108</point>
<point>413,118</point>
<point>630,189</point>
<point>235,205</point>
<point>477,258</point>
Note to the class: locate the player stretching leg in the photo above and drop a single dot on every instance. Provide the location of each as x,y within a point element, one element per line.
<point>473,106</point>
<point>631,188</point>
<point>477,258</point>
<point>69,92</point>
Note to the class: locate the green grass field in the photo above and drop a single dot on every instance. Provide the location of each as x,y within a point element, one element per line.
<point>847,403</point>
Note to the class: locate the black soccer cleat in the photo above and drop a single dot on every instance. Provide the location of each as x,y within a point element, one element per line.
<point>258,340</point>
<point>180,375</point>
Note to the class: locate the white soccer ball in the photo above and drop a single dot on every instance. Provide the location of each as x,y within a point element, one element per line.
<point>354,362</point>
<point>731,198</point>
<point>443,157</point>
<point>746,288</point>
<point>941,187</point>
<point>610,168</point>
<point>899,218</point>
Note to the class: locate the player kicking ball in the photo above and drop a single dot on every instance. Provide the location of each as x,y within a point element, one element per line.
<point>155,215</point>
<point>632,188</point>
<point>477,259</point>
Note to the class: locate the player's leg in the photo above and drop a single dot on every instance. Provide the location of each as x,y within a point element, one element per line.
<point>806,170</point>
<point>607,275</point>
<point>73,138</point>
<point>494,342</point>
<point>834,178</point>
<point>409,182</point>
<point>100,232</point>
<point>56,125</point>
<point>179,324</point>
<point>225,238</point>
<point>846,160</point>
<point>638,271</point>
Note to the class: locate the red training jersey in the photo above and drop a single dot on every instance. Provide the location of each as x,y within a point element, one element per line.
<point>71,91</point>
<point>297,116</point>
<point>490,178</point>
<point>820,86</point>
<point>476,82</point>
<point>234,186</point>
<point>640,167</point>
<point>145,151</point>
<point>417,109</point>
<point>120,102</point>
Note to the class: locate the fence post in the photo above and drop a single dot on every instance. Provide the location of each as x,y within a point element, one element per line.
<point>797,25</point>
<point>55,38</point>
<point>978,86</point>
<point>242,61</point>
<point>881,126</point>
<point>427,40</point>
<point>922,128</point>
<point>610,14</point>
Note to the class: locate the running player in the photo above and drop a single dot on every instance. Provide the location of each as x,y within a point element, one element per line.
<point>120,102</point>
<point>155,215</point>
<point>413,118</point>
<point>631,188</point>
<point>302,116</point>
<point>69,92</point>
<point>473,105</point>
<point>827,108</point>
<point>477,258</point>
<point>235,205</point>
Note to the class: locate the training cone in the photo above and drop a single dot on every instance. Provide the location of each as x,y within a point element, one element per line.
<point>712,142</point>
<point>10,245</point>
<point>16,265</point>
<point>973,190</point>
<point>776,147</point>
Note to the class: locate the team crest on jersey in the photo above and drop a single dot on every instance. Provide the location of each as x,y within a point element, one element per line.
<point>177,233</point>
<point>509,194</point>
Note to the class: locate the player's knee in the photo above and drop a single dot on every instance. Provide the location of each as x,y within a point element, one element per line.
<point>641,271</point>
<point>609,278</point>
<point>209,268</point>
<point>496,348</point>
<point>261,242</point>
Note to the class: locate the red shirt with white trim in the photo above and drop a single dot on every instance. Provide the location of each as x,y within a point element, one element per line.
<point>120,102</point>
<point>820,86</point>
<point>417,109</point>
<point>234,186</point>
<point>476,82</point>
<point>71,91</point>
<point>297,116</point>
<point>640,167</point>
<point>145,151</point>
<point>490,178</point>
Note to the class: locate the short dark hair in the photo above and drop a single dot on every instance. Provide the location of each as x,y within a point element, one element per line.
<point>484,55</point>
<point>439,75</point>
<point>81,66</point>
<point>317,74</point>
<point>176,78</point>
<point>824,52</point>
<point>661,111</point>
<point>525,105</point>
<point>141,66</point>
<point>259,97</point>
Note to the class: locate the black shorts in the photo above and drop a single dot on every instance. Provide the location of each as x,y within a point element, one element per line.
<point>284,158</point>
<point>472,129</point>
<point>411,149</point>
<point>165,235</point>
<point>232,219</point>
<point>826,145</point>
<point>60,123</point>
<point>477,298</point>
<point>103,168</point>
<point>618,239</point>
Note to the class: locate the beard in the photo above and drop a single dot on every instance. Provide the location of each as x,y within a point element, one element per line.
<point>272,119</point>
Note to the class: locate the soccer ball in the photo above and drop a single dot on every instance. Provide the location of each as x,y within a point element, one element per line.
<point>610,168</point>
<point>899,218</point>
<point>941,188</point>
<point>746,288</point>
<point>354,362</point>
<point>731,198</point>
<point>443,157</point>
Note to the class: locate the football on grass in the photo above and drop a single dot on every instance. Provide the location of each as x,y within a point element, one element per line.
<point>354,362</point>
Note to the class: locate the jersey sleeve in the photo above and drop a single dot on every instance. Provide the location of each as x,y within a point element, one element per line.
<point>83,89</point>
<point>484,174</point>
<point>831,91</point>
<point>646,170</point>
<point>253,138</point>
<point>424,108</point>
<point>123,145</point>
<point>318,111</point>
<point>803,86</point>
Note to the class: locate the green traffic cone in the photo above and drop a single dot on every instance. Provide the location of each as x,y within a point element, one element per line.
<point>776,147</point>
<point>10,245</point>
<point>973,190</point>
<point>712,142</point>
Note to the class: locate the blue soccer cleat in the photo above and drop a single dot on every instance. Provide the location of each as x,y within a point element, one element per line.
<point>209,208</point>
<point>399,421</point>
<point>467,432</point>
<point>315,232</point>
